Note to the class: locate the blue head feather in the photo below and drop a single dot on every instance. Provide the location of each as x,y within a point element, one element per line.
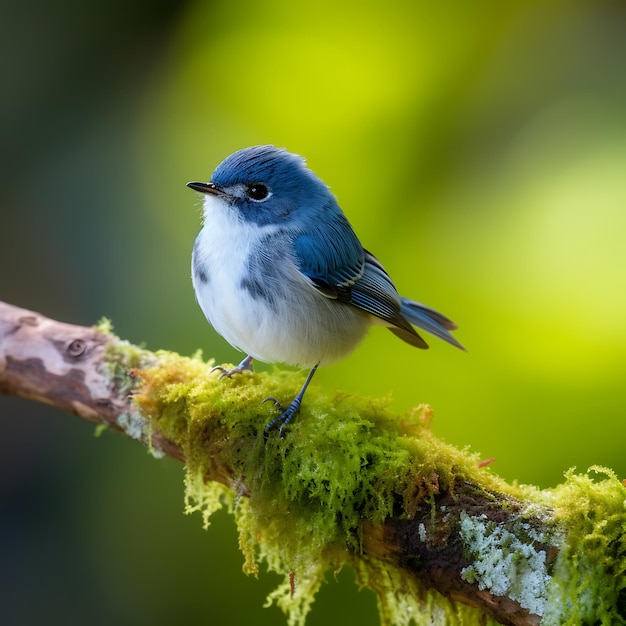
<point>294,189</point>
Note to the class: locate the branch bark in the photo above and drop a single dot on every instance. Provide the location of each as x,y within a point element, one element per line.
<point>466,538</point>
<point>64,365</point>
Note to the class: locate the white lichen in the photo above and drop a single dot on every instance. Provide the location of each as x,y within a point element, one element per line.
<point>506,563</point>
<point>136,426</point>
<point>133,424</point>
<point>421,529</point>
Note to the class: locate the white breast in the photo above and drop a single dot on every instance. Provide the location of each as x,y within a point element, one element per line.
<point>302,327</point>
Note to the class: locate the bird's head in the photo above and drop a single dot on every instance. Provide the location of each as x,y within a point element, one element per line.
<point>267,185</point>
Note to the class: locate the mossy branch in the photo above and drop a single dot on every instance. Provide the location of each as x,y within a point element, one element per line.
<point>438,538</point>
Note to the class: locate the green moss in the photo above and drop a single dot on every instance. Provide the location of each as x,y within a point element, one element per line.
<point>348,461</point>
<point>104,326</point>
<point>120,363</point>
<point>402,601</point>
<point>121,360</point>
<point>341,462</point>
<point>589,582</point>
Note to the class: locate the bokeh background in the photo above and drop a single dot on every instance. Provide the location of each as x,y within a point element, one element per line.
<point>479,150</point>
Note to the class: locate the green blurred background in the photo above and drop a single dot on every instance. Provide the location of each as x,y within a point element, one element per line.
<point>479,150</point>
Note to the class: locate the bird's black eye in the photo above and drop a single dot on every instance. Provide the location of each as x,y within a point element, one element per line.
<point>258,192</point>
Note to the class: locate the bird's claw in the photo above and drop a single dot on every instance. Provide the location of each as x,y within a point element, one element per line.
<point>285,416</point>
<point>224,372</point>
<point>244,366</point>
<point>275,401</point>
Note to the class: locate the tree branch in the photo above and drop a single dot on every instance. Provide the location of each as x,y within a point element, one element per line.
<point>438,538</point>
<point>66,366</point>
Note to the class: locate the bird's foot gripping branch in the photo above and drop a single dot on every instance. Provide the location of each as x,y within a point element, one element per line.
<point>437,538</point>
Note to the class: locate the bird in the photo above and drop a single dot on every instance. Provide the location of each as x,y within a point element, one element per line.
<point>281,275</point>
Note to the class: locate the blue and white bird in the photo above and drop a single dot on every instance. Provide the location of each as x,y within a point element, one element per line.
<point>281,275</point>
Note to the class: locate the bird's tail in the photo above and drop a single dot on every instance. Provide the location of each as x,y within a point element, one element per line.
<point>429,320</point>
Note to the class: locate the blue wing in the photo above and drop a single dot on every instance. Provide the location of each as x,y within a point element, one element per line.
<point>332,257</point>
<point>375,293</point>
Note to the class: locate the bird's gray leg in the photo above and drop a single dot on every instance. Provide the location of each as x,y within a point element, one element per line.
<point>288,414</point>
<point>245,365</point>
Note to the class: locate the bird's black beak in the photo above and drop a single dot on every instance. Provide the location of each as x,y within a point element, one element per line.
<point>211,188</point>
